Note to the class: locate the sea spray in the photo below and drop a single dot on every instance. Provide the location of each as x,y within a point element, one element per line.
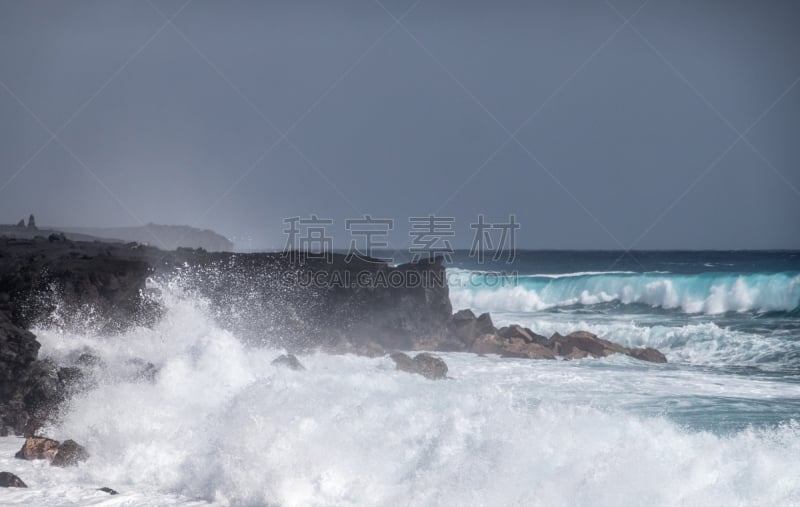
<point>219,423</point>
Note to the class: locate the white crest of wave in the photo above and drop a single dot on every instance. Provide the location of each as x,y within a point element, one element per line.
<point>220,423</point>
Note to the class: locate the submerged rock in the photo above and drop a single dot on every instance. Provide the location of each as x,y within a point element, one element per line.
<point>427,365</point>
<point>289,361</point>
<point>9,480</point>
<point>648,354</point>
<point>70,453</point>
<point>38,448</point>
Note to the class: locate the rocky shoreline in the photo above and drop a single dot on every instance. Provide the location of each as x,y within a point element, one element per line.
<point>109,287</point>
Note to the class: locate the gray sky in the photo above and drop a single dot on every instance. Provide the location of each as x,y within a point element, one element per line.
<point>624,133</point>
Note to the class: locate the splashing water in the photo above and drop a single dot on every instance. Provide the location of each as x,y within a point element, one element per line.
<point>219,423</point>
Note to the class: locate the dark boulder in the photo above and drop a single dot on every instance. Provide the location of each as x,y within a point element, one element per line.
<point>439,343</point>
<point>38,448</point>
<point>467,327</point>
<point>517,331</point>
<point>67,453</point>
<point>581,344</point>
<point>648,354</point>
<point>517,341</point>
<point>518,347</point>
<point>288,361</point>
<point>511,347</point>
<point>70,453</point>
<point>586,342</point>
<point>488,344</point>
<point>427,365</point>
<point>9,480</point>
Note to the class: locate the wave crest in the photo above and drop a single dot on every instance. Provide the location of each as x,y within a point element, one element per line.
<point>710,293</point>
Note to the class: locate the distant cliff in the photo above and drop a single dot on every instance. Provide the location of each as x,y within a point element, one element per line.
<point>165,237</point>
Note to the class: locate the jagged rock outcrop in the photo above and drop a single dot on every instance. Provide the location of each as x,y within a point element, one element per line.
<point>70,453</point>
<point>301,302</point>
<point>38,448</point>
<point>288,361</point>
<point>467,327</point>
<point>427,365</point>
<point>518,341</point>
<point>9,480</point>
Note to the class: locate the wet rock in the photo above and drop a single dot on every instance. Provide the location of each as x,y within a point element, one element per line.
<point>63,454</point>
<point>427,365</point>
<point>582,344</point>
<point>517,331</point>
<point>108,490</point>
<point>342,345</point>
<point>69,453</point>
<point>43,392</point>
<point>518,347</point>
<point>71,378</point>
<point>38,448</point>
<point>488,344</point>
<point>289,361</point>
<point>467,327</point>
<point>439,343</point>
<point>568,346</point>
<point>648,354</point>
<point>9,480</point>
<point>18,351</point>
<point>577,354</point>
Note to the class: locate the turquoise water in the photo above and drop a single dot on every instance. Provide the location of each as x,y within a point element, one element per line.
<point>729,323</point>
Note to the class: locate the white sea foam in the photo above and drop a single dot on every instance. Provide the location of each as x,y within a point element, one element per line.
<point>221,424</point>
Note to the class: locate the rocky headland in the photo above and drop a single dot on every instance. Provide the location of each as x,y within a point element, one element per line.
<point>291,301</point>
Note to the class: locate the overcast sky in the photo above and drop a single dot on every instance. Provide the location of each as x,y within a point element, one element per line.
<point>592,132</point>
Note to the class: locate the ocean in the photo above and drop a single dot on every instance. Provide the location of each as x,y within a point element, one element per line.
<point>719,424</point>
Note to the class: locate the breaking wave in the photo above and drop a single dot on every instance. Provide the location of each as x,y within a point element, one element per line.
<point>709,293</point>
<point>218,422</point>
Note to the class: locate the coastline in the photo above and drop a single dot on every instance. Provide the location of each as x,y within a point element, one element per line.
<point>57,282</point>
